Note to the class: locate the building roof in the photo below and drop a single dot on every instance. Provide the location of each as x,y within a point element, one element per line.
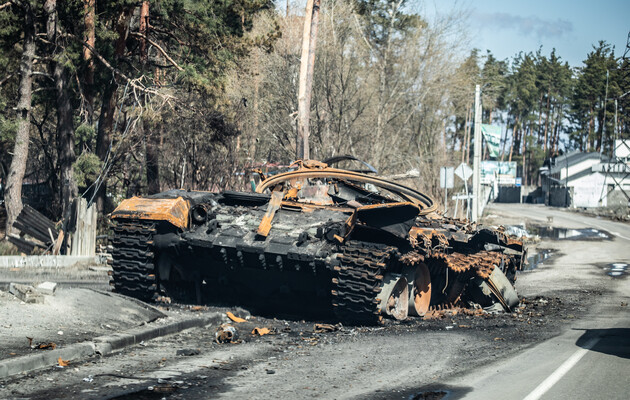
<point>573,158</point>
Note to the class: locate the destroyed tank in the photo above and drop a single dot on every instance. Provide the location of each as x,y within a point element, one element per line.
<point>315,241</point>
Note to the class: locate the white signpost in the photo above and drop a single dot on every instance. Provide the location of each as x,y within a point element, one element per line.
<point>464,172</point>
<point>446,182</point>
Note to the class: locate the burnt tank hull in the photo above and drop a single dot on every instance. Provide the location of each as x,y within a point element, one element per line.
<point>283,255</point>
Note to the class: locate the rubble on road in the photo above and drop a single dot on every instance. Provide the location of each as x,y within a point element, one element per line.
<point>26,293</point>
<point>226,333</point>
<point>47,288</point>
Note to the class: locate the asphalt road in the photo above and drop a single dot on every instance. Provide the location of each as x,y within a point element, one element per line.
<point>591,359</point>
<point>569,339</point>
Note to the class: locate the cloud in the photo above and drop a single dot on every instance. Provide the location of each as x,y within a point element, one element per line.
<point>527,26</point>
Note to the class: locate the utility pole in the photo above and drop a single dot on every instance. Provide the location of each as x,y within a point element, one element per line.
<point>307,64</point>
<point>477,156</point>
<point>601,144</point>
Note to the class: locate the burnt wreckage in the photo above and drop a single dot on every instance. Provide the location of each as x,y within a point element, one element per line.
<point>315,241</point>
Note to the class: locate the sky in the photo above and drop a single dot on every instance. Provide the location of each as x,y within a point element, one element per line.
<point>571,27</point>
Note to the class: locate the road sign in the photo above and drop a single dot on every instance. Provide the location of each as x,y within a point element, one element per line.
<point>519,182</point>
<point>446,178</point>
<point>463,171</point>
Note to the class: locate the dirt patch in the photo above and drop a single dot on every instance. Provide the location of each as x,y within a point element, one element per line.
<point>69,316</point>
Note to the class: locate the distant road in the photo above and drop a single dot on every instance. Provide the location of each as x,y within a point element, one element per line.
<point>591,359</point>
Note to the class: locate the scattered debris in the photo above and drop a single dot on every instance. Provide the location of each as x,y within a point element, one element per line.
<point>26,293</point>
<point>34,224</point>
<point>323,328</point>
<point>41,345</point>
<point>187,352</point>
<point>164,388</point>
<point>226,334</point>
<point>47,288</point>
<point>260,331</point>
<point>88,379</point>
<point>62,363</point>
<point>234,318</point>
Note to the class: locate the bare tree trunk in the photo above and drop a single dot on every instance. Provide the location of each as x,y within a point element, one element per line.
<point>465,138</point>
<point>505,138</point>
<point>89,7</point>
<point>514,135</point>
<point>383,95</point>
<point>552,133</point>
<point>255,107</point>
<point>13,194</point>
<point>65,138</point>
<point>546,125</point>
<point>108,106</point>
<point>311,68</point>
<point>539,130</point>
<point>152,158</point>
<point>524,134</point>
<point>65,128</point>
<point>468,135</point>
<point>304,97</point>
<point>591,134</point>
<point>144,30</point>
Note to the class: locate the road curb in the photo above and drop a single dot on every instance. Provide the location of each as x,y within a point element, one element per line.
<point>108,344</point>
<point>102,345</point>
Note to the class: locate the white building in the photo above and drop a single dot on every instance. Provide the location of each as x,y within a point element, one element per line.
<point>587,180</point>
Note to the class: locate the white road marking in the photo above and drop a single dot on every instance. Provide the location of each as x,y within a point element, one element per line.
<point>561,371</point>
<point>620,235</point>
<point>613,232</point>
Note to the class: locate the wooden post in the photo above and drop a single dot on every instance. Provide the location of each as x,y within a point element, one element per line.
<point>84,236</point>
<point>309,37</point>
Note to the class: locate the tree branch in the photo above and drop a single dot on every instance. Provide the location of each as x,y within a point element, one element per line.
<point>6,78</point>
<point>5,5</point>
<point>159,48</point>
<point>116,71</point>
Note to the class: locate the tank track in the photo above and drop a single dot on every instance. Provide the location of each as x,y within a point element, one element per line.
<point>133,260</point>
<point>356,283</point>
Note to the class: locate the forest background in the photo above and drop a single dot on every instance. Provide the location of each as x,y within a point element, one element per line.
<point>110,99</point>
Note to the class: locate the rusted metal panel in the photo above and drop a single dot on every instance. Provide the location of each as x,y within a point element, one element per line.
<point>424,202</point>
<point>174,211</point>
<point>273,206</point>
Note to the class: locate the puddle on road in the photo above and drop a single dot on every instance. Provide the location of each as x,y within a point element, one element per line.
<point>617,270</point>
<point>569,234</point>
<point>537,259</point>
<point>553,233</point>
<point>430,395</point>
<point>156,392</point>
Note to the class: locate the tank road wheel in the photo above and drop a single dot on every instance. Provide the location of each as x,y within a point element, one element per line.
<point>133,267</point>
<point>419,279</point>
